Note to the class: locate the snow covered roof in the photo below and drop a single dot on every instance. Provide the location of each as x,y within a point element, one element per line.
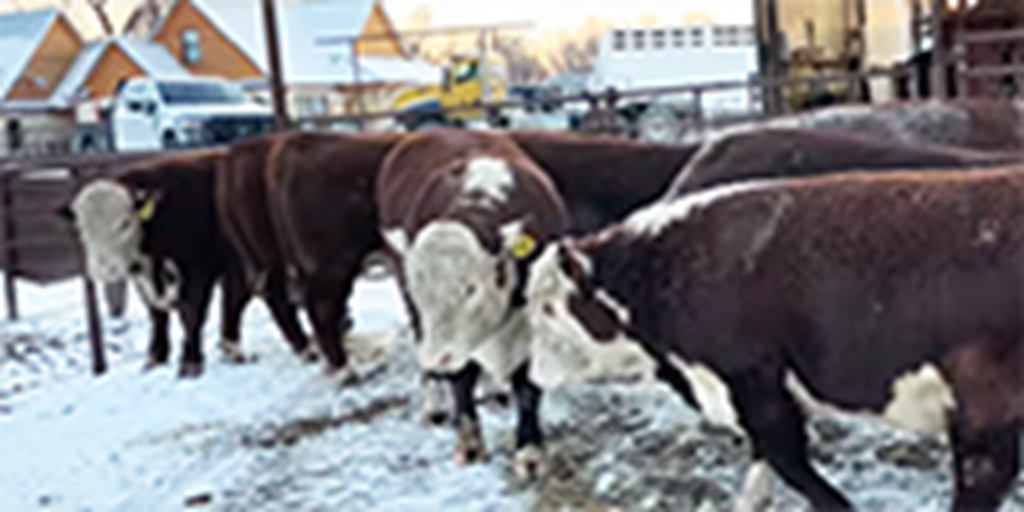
<point>301,24</point>
<point>153,59</point>
<point>20,34</point>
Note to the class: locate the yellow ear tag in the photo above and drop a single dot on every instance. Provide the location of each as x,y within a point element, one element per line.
<point>523,246</point>
<point>147,210</point>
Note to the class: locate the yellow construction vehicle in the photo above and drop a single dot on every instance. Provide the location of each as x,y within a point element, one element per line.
<point>465,82</point>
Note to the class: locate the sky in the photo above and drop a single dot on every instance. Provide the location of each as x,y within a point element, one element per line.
<point>571,12</point>
<point>543,13</point>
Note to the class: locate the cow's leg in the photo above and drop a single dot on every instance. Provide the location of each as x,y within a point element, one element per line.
<point>437,398</point>
<point>470,446</point>
<point>194,303</point>
<point>286,316</point>
<point>159,342</point>
<point>530,460</point>
<point>776,427</point>
<point>985,464</point>
<point>324,299</point>
<point>756,495</point>
<point>234,299</point>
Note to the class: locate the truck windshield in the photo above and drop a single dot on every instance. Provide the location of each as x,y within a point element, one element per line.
<point>175,93</point>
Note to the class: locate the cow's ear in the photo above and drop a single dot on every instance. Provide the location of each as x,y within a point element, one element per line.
<point>146,203</point>
<point>516,240</point>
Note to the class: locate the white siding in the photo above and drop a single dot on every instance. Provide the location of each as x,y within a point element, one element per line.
<point>666,56</point>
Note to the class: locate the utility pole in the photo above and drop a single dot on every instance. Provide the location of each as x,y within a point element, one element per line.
<point>276,82</point>
<point>939,60</point>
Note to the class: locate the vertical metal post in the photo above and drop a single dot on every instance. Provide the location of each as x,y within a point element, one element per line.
<point>939,89</point>
<point>10,255</point>
<point>769,52</point>
<point>277,88</point>
<point>92,310</point>
<point>95,326</point>
<point>356,83</point>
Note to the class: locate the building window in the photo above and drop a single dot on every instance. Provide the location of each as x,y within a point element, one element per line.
<point>619,41</point>
<point>678,38</point>
<point>638,39</point>
<point>191,51</point>
<point>658,39</point>
<point>696,36</point>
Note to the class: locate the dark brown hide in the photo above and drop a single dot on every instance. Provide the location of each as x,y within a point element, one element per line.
<point>322,204</point>
<point>848,281</point>
<point>787,153</point>
<point>985,124</point>
<point>416,185</point>
<point>601,179</point>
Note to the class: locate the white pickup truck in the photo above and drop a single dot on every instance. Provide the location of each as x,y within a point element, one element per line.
<point>147,114</point>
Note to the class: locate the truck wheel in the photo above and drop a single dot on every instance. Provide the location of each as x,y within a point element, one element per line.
<point>170,141</point>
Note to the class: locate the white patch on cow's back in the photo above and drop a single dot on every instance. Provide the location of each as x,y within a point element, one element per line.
<point>489,176</point>
<point>921,400</point>
<point>653,219</point>
<point>453,282</point>
<point>710,391</point>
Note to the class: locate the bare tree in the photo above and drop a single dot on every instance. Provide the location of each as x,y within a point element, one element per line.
<point>144,17</point>
<point>99,8</point>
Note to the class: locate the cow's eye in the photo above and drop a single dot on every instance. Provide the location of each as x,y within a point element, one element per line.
<point>135,268</point>
<point>470,290</point>
<point>124,225</point>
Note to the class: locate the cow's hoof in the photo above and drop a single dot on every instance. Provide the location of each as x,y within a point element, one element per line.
<point>434,418</point>
<point>231,352</point>
<point>344,376</point>
<point>190,370</point>
<point>497,401</point>
<point>469,447</point>
<point>153,362</point>
<point>308,354</point>
<point>531,463</point>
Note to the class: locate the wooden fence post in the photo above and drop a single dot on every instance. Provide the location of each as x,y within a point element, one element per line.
<point>11,255</point>
<point>92,309</point>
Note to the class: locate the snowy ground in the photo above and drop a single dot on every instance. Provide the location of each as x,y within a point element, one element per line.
<point>273,435</point>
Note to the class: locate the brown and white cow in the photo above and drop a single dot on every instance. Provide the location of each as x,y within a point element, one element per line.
<point>323,216</point>
<point>985,124</point>
<point>792,152</point>
<point>243,209</point>
<point>895,294</point>
<point>461,212</point>
<point>156,223</point>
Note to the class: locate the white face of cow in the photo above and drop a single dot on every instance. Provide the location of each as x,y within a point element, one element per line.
<point>461,290</point>
<point>109,226</point>
<point>564,350</point>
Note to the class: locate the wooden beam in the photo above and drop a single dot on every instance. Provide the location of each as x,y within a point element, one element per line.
<point>277,88</point>
<point>939,58</point>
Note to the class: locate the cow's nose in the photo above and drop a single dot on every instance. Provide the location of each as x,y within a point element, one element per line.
<point>135,268</point>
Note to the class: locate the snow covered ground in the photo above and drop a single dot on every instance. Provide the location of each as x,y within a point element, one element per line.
<point>273,435</point>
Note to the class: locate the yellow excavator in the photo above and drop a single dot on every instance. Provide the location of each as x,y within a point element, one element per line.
<point>465,82</point>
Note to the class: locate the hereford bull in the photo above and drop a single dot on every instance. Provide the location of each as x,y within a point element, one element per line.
<point>791,152</point>
<point>461,212</point>
<point>323,218</point>
<point>986,124</point>
<point>896,294</point>
<point>243,210</point>
<point>155,224</point>
<point>600,179</point>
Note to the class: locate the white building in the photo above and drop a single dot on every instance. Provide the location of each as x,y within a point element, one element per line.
<point>667,56</point>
